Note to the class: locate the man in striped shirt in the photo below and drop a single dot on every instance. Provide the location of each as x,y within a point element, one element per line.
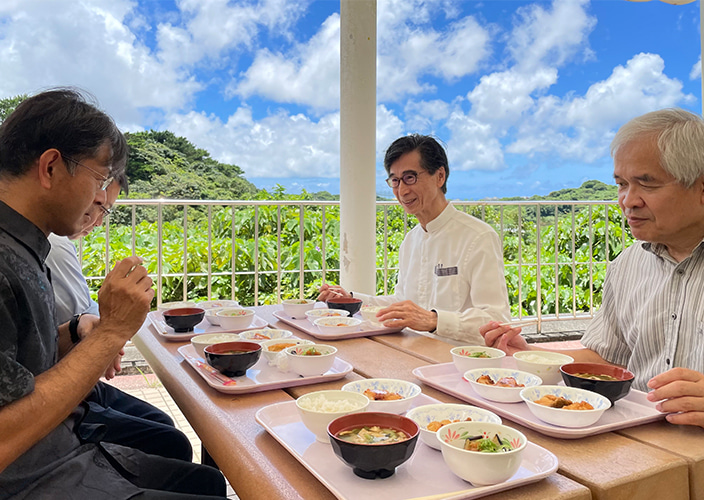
<point>652,316</point>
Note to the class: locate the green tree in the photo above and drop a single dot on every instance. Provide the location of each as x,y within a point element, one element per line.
<point>8,105</point>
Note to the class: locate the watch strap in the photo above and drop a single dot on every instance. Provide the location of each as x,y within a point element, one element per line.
<point>73,328</point>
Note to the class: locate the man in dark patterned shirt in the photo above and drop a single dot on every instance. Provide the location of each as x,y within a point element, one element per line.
<point>58,154</point>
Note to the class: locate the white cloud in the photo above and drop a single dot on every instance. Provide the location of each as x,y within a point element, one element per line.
<point>280,145</point>
<point>696,72</point>
<point>88,44</point>
<point>407,53</point>
<point>473,145</point>
<point>208,29</point>
<point>408,49</point>
<point>308,75</point>
<point>550,36</point>
<point>502,98</point>
<point>421,116</point>
<point>581,127</point>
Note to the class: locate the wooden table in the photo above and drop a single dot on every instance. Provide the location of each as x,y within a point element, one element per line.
<point>633,464</point>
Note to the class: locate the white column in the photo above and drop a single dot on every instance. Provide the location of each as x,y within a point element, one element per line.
<point>357,145</point>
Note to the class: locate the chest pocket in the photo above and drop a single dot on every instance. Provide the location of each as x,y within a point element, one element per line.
<point>446,293</point>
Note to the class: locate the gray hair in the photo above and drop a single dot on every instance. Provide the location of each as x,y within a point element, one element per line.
<point>679,136</point>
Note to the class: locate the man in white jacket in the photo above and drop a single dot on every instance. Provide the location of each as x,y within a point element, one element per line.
<point>451,274</point>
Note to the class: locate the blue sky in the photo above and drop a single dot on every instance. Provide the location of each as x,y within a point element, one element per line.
<point>526,95</point>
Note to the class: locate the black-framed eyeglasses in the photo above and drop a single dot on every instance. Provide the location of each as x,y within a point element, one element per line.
<point>408,178</point>
<point>105,180</point>
<point>106,211</point>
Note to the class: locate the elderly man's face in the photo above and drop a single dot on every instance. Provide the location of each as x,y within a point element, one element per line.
<point>425,198</point>
<point>658,208</point>
<point>96,214</point>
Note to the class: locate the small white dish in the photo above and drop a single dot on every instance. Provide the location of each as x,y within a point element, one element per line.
<point>426,414</point>
<point>301,361</point>
<point>498,393</point>
<point>200,342</point>
<point>278,346</point>
<point>476,467</point>
<point>466,357</point>
<point>337,326</point>
<point>324,312</point>
<point>296,308</point>
<point>407,390</point>
<point>259,335</point>
<point>560,416</point>
<point>213,306</point>
<point>235,318</point>
<point>317,409</point>
<point>369,314</point>
<point>165,306</point>
<point>217,304</point>
<point>544,364</point>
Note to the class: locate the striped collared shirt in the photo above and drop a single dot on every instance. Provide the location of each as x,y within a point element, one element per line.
<point>652,315</point>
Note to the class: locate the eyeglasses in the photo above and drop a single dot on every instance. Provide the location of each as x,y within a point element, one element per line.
<point>105,180</point>
<point>106,211</point>
<point>408,178</point>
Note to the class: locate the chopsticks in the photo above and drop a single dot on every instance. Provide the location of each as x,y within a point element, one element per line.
<point>160,326</point>
<point>209,370</point>
<point>520,323</point>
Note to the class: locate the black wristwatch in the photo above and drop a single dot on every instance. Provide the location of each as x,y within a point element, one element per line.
<point>73,328</point>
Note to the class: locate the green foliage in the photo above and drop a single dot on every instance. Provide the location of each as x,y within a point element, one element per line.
<point>8,105</point>
<point>162,165</point>
<point>263,275</point>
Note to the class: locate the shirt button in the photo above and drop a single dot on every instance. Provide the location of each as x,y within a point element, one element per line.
<point>680,272</point>
<point>674,316</point>
<point>667,361</point>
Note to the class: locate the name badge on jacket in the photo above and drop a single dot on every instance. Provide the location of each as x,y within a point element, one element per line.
<point>445,271</point>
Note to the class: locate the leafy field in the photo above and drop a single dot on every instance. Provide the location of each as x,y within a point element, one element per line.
<point>268,241</point>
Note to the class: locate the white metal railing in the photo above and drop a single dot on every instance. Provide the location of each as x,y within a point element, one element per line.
<point>522,224</point>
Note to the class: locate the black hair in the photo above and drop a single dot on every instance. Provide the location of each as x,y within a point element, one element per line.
<point>64,119</point>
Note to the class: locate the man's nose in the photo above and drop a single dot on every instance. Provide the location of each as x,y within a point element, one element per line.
<point>631,197</point>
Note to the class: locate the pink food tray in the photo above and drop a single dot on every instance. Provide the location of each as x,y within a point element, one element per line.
<point>423,475</point>
<point>366,329</point>
<point>630,411</point>
<point>168,333</point>
<point>261,377</point>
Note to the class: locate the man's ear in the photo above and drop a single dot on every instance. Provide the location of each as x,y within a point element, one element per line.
<point>48,163</point>
<point>442,176</point>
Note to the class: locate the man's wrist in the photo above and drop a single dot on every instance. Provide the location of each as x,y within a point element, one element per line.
<point>436,320</point>
<point>73,328</point>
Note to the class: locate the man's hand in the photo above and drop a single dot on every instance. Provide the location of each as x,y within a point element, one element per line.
<point>407,314</point>
<point>680,393</point>
<point>86,326</point>
<point>331,291</point>
<point>505,338</point>
<point>115,367</point>
<point>125,297</point>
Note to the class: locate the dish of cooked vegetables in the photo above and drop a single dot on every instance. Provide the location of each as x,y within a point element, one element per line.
<point>435,425</point>
<point>309,351</point>
<point>480,443</point>
<point>372,435</point>
<point>552,401</point>
<point>502,382</point>
<point>382,395</point>
<point>280,347</point>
